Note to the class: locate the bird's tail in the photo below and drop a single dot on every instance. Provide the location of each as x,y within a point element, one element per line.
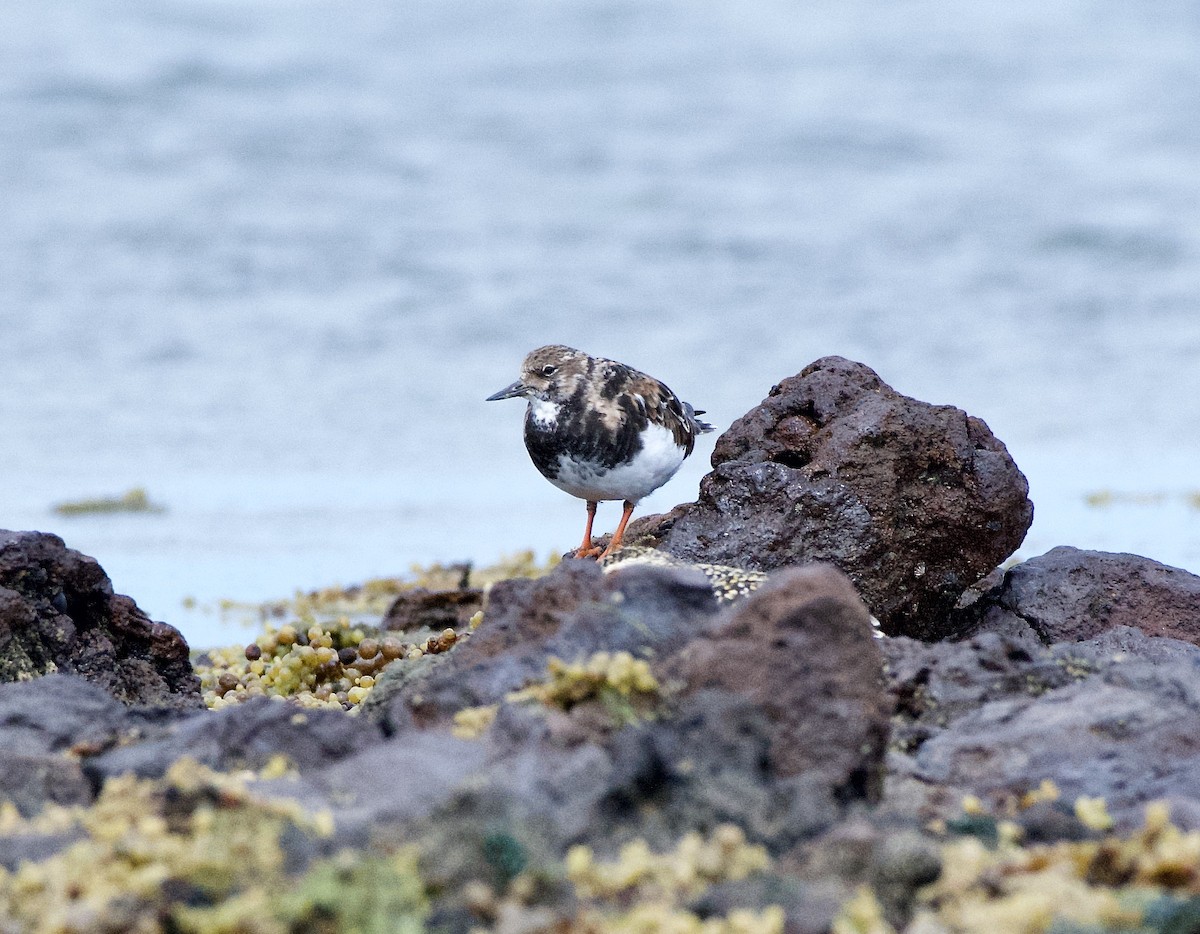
<point>701,425</point>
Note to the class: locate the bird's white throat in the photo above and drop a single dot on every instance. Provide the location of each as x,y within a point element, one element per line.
<point>544,413</point>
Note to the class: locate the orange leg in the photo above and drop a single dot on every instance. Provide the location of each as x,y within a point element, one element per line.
<point>586,550</point>
<point>615,543</point>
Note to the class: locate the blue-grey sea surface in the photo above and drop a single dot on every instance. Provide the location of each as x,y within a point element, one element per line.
<point>266,258</point>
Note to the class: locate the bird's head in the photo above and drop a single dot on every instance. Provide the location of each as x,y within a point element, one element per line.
<point>544,373</point>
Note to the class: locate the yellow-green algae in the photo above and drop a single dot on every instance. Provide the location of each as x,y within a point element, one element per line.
<point>692,866</point>
<point>326,654</point>
<point>472,722</point>
<point>373,597</point>
<point>197,853</point>
<point>623,684</point>
<point>643,892</point>
<point>135,500</point>
<point>326,665</point>
<point>1105,499</point>
<point>1146,882</point>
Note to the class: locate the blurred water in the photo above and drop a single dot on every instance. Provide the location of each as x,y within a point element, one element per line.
<point>266,258</point>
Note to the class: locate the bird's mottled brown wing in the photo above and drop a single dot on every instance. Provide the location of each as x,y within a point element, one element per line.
<point>664,408</point>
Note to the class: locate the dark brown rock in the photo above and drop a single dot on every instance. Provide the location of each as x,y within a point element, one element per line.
<point>649,531</point>
<point>432,609</point>
<point>58,612</point>
<point>1069,595</point>
<point>523,611</point>
<point>801,649</point>
<point>915,502</point>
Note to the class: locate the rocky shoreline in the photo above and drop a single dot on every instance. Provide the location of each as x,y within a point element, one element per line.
<point>635,747</point>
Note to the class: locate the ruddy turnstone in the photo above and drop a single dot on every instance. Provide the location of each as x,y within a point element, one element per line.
<point>601,430</point>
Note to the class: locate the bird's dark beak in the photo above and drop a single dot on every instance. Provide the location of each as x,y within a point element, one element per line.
<point>511,391</point>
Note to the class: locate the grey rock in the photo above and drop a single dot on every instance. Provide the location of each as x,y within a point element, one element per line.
<point>801,648</point>
<point>243,736</point>
<point>571,613</point>
<point>56,712</point>
<point>48,726</point>
<point>1069,595</point>
<point>1114,717</point>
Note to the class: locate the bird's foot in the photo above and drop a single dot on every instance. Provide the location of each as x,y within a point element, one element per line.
<point>591,551</point>
<point>609,550</point>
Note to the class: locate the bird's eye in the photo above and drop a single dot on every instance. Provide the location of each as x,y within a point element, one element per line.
<point>549,369</point>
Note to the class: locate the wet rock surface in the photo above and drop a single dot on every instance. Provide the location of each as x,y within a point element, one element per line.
<point>58,613</point>
<point>915,502</point>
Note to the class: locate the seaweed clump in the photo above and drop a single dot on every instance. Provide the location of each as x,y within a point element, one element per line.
<point>196,853</point>
<point>135,500</point>
<point>643,891</point>
<point>331,664</point>
<point>374,597</point>
<point>331,649</point>
<point>1147,882</point>
<point>625,686</point>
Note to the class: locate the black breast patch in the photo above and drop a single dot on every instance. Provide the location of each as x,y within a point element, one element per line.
<point>583,434</point>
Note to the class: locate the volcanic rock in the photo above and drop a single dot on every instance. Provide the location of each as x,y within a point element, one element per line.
<point>1114,717</point>
<point>1069,595</point>
<point>774,711</point>
<point>242,736</point>
<point>58,612</point>
<point>433,609</point>
<point>572,612</point>
<point>40,722</point>
<point>915,502</point>
<point>801,649</point>
<point>50,727</point>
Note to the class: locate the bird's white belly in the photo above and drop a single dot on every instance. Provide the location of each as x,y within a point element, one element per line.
<point>651,467</point>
